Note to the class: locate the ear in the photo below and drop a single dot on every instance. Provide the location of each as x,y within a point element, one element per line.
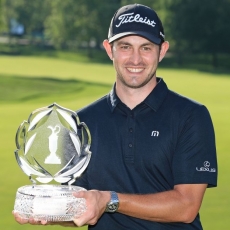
<point>108,49</point>
<point>164,49</point>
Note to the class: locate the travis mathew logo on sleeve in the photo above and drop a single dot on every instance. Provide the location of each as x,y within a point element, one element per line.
<point>130,17</point>
<point>206,168</point>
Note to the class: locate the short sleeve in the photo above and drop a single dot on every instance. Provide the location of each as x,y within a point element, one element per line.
<point>82,181</point>
<point>195,161</point>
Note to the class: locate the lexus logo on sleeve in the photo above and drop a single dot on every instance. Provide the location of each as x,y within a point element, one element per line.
<point>206,168</point>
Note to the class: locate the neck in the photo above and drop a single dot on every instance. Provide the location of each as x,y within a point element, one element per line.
<point>134,96</point>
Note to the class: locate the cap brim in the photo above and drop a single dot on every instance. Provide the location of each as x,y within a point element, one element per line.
<point>148,36</point>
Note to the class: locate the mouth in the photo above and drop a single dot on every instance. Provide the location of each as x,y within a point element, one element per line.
<point>135,70</point>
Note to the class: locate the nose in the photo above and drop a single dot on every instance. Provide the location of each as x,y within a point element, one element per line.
<point>136,57</point>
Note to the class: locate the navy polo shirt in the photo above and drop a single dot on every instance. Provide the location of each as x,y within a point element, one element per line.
<point>164,141</point>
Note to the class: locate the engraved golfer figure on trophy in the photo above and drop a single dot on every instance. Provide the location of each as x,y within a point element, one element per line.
<point>53,144</point>
<point>60,156</point>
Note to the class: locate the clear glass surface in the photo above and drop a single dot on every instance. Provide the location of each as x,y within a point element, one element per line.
<point>52,145</point>
<point>49,202</point>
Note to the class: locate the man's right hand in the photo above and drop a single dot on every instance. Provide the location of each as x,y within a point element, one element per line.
<point>32,221</point>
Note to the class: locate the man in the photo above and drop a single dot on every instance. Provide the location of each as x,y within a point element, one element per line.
<point>153,151</point>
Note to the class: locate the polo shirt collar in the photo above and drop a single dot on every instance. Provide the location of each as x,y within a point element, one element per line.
<point>113,99</point>
<point>153,100</point>
<point>157,96</point>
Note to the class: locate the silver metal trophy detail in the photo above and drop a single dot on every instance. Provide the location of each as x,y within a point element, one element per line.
<point>53,145</point>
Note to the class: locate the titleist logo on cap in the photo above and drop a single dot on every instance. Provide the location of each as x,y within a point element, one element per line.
<point>130,17</point>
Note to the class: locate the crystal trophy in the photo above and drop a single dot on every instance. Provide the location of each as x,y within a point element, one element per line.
<point>53,145</point>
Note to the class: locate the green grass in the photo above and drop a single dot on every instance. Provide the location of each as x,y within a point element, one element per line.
<point>27,83</point>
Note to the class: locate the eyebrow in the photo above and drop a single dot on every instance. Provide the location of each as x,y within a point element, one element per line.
<point>127,43</point>
<point>123,43</point>
<point>147,44</point>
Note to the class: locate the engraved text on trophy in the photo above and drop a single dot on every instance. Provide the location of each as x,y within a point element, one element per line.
<point>53,144</point>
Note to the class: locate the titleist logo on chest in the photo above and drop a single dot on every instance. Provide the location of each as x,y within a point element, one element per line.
<point>130,17</point>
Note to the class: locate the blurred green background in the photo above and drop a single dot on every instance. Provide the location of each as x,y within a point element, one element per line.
<point>58,58</point>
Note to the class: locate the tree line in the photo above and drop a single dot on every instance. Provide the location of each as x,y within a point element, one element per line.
<point>190,25</point>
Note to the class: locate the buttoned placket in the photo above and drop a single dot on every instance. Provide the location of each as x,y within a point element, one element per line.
<point>130,132</point>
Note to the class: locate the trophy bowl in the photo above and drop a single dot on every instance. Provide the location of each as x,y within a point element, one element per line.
<point>49,202</point>
<point>53,145</point>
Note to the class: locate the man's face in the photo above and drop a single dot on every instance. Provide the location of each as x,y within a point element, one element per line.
<point>135,60</point>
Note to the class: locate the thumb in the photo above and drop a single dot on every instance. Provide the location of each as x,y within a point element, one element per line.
<point>80,194</point>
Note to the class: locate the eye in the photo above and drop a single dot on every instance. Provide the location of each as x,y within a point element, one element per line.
<point>146,48</point>
<point>125,47</point>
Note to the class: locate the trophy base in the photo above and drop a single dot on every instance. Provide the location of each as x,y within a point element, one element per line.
<point>49,202</point>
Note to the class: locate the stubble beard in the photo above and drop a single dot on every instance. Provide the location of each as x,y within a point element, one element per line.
<point>132,86</point>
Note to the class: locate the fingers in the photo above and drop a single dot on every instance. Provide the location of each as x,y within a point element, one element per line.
<point>31,220</point>
<point>85,220</point>
<point>78,222</point>
<point>80,194</point>
<point>82,220</point>
<point>95,202</point>
<point>19,219</point>
<point>44,222</point>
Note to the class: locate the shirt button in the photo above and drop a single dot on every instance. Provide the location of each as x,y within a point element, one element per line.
<point>130,145</point>
<point>131,130</point>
